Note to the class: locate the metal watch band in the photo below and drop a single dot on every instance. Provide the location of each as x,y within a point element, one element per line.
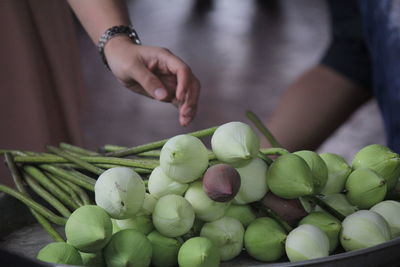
<point>112,32</point>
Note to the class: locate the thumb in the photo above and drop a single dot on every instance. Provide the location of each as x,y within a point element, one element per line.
<point>151,84</point>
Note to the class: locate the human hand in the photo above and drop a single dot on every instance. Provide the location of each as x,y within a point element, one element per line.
<point>154,72</point>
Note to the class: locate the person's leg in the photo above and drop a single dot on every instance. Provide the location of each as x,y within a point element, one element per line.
<point>317,103</point>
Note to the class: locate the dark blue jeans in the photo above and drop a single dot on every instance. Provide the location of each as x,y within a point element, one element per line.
<point>381,24</point>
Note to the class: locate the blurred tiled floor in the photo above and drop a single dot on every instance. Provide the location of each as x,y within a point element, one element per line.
<point>245,53</point>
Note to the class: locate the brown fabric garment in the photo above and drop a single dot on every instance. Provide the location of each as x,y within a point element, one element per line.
<point>41,92</point>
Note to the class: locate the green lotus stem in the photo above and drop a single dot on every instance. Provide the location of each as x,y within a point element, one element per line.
<point>76,160</point>
<point>113,148</point>
<point>157,144</point>
<point>18,183</point>
<point>66,188</point>
<point>320,202</point>
<point>81,193</point>
<point>34,205</point>
<point>260,207</point>
<point>85,183</point>
<point>274,151</point>
<point>262,128</point>
<point>77,149</point>
<point>104,166</point>
<point>12,152</point>
<point>136,163</point>
<point>39,176</point>
<point>55,203</point>
<point>265,158</point>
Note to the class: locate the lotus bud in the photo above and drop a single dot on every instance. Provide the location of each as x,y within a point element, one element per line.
<point>338,202</point>
<point>363,229</point>
<point>253,185</point>
<point>290,177</point>
<point>289,210</point>
<point>115,227</point>
<point>60,253</point>
<point>235,143</point>
<point>128,248</point>
<point>317,167</point>
<point>242,213</point>
<point>390,210</point>
<point>148,204</point>
<point>338,171</point>
<point>264,239</point>
<point>184,158</point>
<point>93,259</point>
<point>227,235</point>
<point>89,228</point>
<point>173,216</point>
<point>381,160</point>
<point>198,252</point>
<point>120,191</point>
<point>306,242</point>
<point>205,208</point>
<point>165,250</point>
<point>160,184</point>
<point>221,182</point>
<point>326,223</point>
<point>365,188</point>
<point>140,222</point>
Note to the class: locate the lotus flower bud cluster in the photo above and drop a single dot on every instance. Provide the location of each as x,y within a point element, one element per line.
<point>198,213</point>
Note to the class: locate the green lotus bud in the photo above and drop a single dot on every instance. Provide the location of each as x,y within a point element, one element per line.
<point>184,158</point>
<point>380,159</point>
<point>264,239</point>
<point>340,203</point>
<point>365,188</point>
<point>93,259</point>
<point>198,252</point>
<point>242,213</point>
<point>148,204</point>
<point>227,235</point>
<point>317,167</point>
<point>140,222</point>
<point>161,185</point>
<point>204,207</point>
<point>115,227</point>
<point>60,253</point>
<point>128,248</point>
<point>390,210</point>
<point>290,177</point>
<point>165,250</point>
<point>338,171</point>
<point>89,228</point>
<point>235,143</point>
<point>120,191</point>
<point>253,185</point>
<point>326,223</point>
<point>173,216</point>
<point>363,229</point>
<point>306,242</point>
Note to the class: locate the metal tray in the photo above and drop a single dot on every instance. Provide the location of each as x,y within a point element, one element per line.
<point>21,238</point>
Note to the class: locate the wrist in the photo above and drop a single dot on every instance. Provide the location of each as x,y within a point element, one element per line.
<point>114,37</point>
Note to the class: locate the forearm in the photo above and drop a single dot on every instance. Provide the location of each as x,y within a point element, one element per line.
<point>97,16</point>
<point>313,107</point>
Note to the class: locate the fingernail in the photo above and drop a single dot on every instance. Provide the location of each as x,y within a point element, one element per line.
<point>160,94</point>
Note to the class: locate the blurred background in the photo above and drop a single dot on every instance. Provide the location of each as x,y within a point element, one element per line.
<point>245,54</point>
